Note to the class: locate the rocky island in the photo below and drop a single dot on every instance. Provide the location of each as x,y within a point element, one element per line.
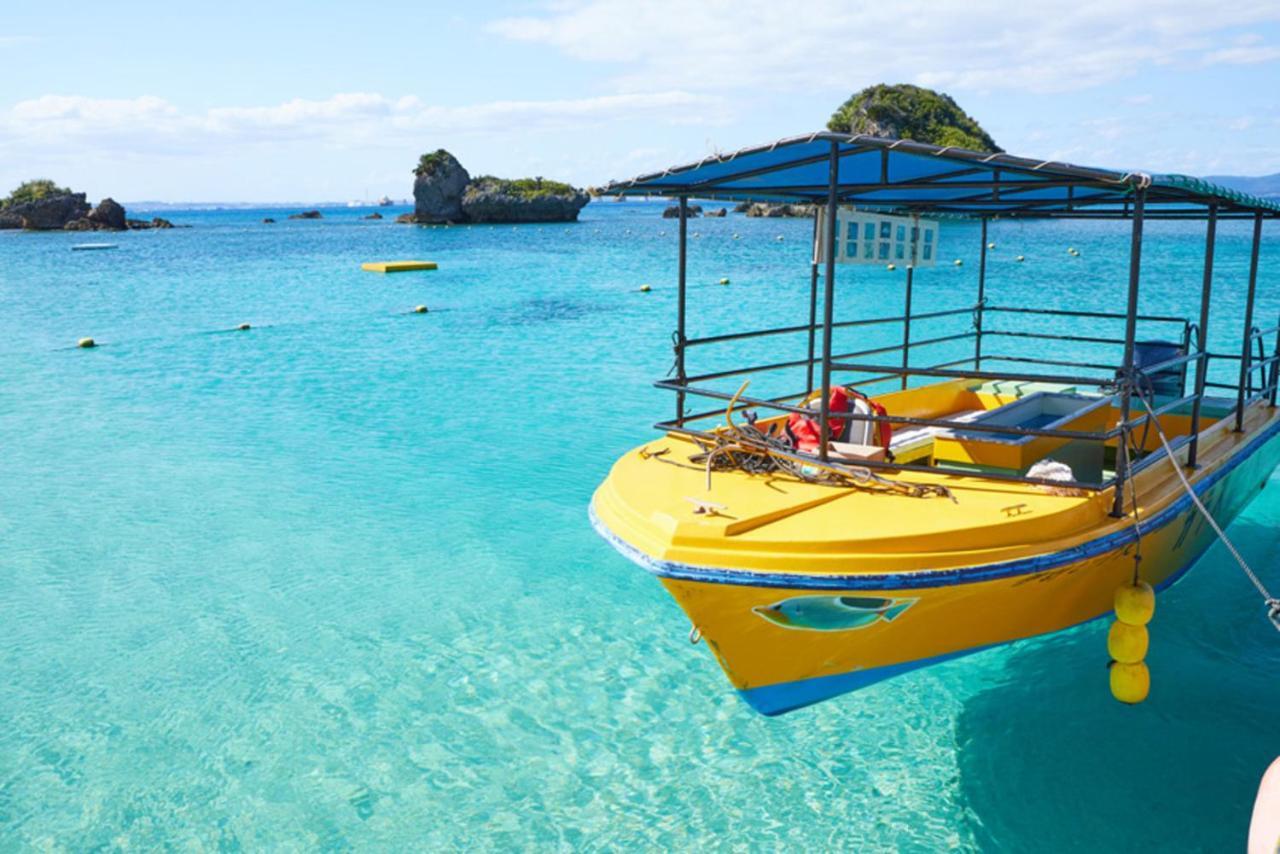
<point>444,192</point>
<point>41,205</point>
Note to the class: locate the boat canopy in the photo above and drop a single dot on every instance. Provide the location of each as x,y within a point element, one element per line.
<point>892,174</point>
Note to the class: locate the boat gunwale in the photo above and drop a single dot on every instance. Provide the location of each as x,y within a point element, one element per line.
<point>924,578</point>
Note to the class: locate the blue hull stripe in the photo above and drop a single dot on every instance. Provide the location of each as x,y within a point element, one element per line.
<point>930,577</point>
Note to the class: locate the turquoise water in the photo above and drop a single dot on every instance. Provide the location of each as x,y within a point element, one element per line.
<point>329,583</point>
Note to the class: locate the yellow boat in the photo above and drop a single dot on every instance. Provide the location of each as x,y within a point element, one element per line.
<point>1002,504</point>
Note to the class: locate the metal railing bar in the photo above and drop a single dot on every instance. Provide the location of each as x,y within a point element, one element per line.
<point>796,363</point>
<point>1083,339</point>
<point>1032,360</point>
<point>1154,318</point>
<point>959,426</point>
<point>1064,379</point>
<point>804,327</point>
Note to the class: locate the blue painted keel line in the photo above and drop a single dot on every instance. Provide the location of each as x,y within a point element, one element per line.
<point>928,577</point>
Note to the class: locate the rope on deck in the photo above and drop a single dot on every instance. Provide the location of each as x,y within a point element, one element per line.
<point>750,449</point>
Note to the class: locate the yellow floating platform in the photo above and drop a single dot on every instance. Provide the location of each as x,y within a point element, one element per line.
<point>397,266</point>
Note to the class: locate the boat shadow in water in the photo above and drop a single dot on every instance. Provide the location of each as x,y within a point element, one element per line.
<point>1048,754</point>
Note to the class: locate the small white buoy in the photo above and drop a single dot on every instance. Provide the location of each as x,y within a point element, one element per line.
<point>891,266</point>
<point>419,309</point>
<point>244,327</point>
<point>991,245</point>
<point>644,289</point>
<point>725,280</point>
<point>779,238</point>
<point>735,237</point>
<point>959,262</point>
<point>1021,258</point>
<point>86,343</point>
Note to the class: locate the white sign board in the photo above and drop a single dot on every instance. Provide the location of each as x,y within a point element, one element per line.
<point>866,237</point>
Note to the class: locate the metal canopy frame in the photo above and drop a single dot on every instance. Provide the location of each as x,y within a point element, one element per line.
<point>911,177</point>
<point>915,176</point>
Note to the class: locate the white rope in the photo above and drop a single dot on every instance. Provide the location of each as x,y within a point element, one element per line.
<point>1272,603</point>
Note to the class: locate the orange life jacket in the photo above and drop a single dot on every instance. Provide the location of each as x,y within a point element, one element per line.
<point>805,433</point>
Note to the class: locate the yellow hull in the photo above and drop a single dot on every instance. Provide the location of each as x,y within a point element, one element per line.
<point>805,591</point>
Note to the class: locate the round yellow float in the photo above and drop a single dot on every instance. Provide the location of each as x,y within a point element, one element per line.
<point>1130,683</point>
<point>1135,604</point>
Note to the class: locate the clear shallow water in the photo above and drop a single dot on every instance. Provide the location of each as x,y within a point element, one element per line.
<point>299,587</point>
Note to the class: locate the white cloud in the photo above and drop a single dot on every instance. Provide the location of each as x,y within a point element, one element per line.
<point>1242,55</point>
<point>1056,45</point>
<point>154,125</point>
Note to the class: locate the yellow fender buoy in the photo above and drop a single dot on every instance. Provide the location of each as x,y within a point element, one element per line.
<point>86,343</point>
<point>1130,683</point>
<point>1135,604</point>
<point>1127,644</point>
<point>1128,641</point>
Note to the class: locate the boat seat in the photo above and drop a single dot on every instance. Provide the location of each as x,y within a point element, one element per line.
<point>914,443</point>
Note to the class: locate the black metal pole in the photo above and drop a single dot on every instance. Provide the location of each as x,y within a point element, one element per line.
<point>982,298</point>
<point>828,305</point>
<point>813,301</point>
<point>906,314</point>
<point>680,305</point>
<point>1246,350</point>
<point>1275,369</point>
<point>1202,333</point>
<point>1130,332</point>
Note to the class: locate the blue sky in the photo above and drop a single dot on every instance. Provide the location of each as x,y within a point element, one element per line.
<point>330,101</point>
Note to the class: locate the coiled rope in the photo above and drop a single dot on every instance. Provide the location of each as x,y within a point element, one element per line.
<point>1272,603</point>
<point>750,449</point>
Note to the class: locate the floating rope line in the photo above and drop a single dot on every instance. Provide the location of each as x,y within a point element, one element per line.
<point>1271,602</point>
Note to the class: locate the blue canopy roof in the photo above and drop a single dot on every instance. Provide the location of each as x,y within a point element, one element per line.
<point>903,174</point>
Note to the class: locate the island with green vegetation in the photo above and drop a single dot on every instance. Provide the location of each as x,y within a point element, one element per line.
<point>444,192</point>
<point>42,205</point>
<point>903,111</point>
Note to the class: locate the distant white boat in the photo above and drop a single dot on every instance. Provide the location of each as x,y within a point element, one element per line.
<point>85,247</point>
<point>385,202</point>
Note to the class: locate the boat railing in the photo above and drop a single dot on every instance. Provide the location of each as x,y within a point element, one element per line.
<point>1106,377</point>
<point>794,404</point>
